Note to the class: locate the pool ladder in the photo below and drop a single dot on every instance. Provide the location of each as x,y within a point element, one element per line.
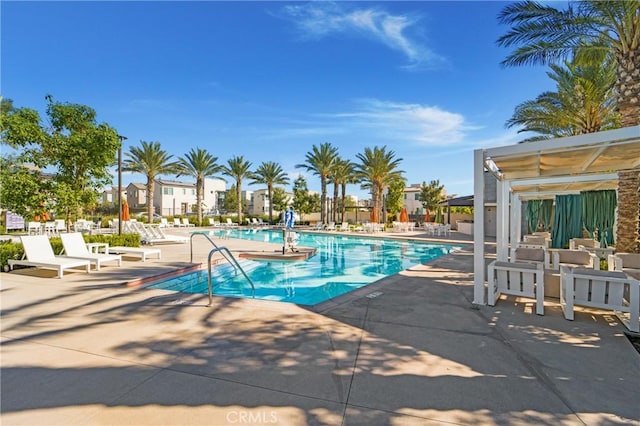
<point>226,253</point>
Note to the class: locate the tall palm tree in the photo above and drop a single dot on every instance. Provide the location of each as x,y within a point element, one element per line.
<point>583,103</point>
<point>199,164</point>
<point>150,160</point>
<point>319,161</point>
<point>376,170</point>
<point>589,30</point>
<point>343,173</point>
<point>270,174</point>
<point>239,169</point>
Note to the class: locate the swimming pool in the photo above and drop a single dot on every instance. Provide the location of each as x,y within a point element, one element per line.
<point>342,263</point>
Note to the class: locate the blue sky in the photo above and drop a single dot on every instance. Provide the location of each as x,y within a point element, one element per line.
<point>268,80</point>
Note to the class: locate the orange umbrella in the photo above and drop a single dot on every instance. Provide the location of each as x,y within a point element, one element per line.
<point>374,216</point>
<point>404,215</point>
<point>427,217</point>
<point>125,211</point>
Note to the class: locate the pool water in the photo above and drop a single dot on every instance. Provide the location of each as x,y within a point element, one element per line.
<point>341,264</point>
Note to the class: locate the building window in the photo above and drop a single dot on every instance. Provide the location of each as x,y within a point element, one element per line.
<point>184,191</point>
<point>167,190</point>
<point>417,197</point>
<point>193,192</point>
<point>405,196</point>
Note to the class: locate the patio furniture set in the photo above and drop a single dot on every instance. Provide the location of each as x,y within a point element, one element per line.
<point>573,275</point>
<point>39,253</point>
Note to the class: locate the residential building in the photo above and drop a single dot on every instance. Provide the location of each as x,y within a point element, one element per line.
<point>174,198</point>
<point>136,196</point>
<point>412,199</point>
<point>259,204</point>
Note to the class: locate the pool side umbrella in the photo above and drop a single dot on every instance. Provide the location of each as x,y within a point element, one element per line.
<point>374,216</point>
<point>125,211</point>
<point>427,217</point>
<point>404,215</point>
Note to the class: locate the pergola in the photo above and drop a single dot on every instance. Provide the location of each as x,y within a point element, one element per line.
<point>543,169</point>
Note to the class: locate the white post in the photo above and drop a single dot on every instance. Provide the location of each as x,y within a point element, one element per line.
<point>502,219</point>
<point>516,214</point>
<point>478,228</point>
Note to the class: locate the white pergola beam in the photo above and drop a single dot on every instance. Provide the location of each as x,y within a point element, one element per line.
<point>478,228</point>
<point>610,137</point>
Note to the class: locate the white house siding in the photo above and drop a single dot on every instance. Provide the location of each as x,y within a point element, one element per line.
<point>174,198</point>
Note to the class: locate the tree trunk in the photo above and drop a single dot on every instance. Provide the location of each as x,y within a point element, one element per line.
<point>334,210</point>
<point>628,84</point>
<point>149,198</point>
<point>343,206</point>
<point>323,201</point>
<point>269,191</point>
<point>628,232</point>
<point>199,185</point>
<point>238,194</point>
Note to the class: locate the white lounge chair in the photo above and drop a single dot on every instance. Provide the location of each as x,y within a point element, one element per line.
<point>344,226</point>
<point>230,223</point>
<point>142,252</point>
<point>74,246</point>
<point>610,290</point>
<point>177,223</point>
<point>629,263</point>
<point>186,223</point>
<point>39,253</point>
<point>517,279</point>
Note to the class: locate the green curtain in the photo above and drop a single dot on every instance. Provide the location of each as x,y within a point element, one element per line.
<point>533,214</point>
<point>545,212</point>
<point>567,222</point>
<point>599,212</point>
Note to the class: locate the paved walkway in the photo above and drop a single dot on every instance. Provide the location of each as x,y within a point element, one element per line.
<point>408,350</point>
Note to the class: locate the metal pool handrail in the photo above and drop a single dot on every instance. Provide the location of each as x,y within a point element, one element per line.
<point>231,259</point>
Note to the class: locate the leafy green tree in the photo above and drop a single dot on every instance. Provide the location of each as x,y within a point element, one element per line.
<point>23,190</point>
<point>77,149</point>
<point>376,170</point>
<point>431,195</point>
<point>270,174</point>
<point>279,199</point>
<point>150,160</point>
<point>231,199</point>
<point>583,103</point>
<point>395,195</point>
<point>319,162</point>
<point>589,30</point>
<point>303,201</point>
<point>238,169</point>
<point>199,164</point>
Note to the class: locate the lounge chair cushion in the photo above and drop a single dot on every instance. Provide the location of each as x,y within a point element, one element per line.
<point>530,254</point>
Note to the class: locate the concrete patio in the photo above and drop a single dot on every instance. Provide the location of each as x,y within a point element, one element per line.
<point>410,349</point>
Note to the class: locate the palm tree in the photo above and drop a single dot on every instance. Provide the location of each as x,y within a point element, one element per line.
<point>343,173</point>
<point>270,174</point>
<point>376,170</point>
<point>239,169</point>
<point>584,103</point>
<point>150,160</point>
<point>319,161</point>
<point>590,30</point>
<point>199,164</point>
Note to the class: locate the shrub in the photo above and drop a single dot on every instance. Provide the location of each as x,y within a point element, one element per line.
<point>9,250</point>
<point>126,240</point>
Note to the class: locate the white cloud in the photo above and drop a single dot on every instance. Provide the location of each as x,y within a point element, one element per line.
<point>420,124</point>
<point>321,19</point>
